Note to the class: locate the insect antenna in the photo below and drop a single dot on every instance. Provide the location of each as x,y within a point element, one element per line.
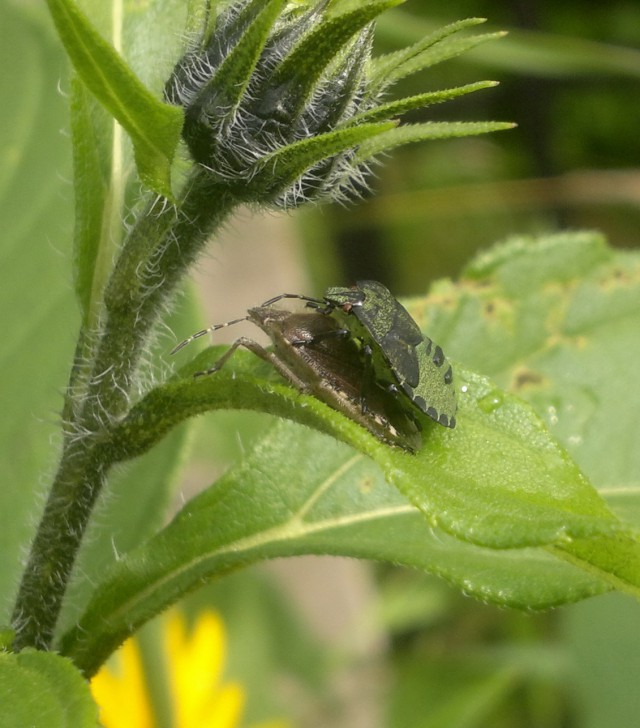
<point>315,302</point>
<point>198,334</point>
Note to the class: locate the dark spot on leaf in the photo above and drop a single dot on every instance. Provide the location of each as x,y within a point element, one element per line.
<point>366,484</point>
<point>526,378</point>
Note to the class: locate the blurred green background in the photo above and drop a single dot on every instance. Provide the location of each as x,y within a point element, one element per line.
<point>388,647</point>
<point>569,77</point>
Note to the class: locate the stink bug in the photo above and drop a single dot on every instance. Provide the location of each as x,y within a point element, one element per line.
<point>416,363</point>
<point>396,353</point>
<point>318,357</point>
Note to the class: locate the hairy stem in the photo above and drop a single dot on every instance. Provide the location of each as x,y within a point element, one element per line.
<point>156,254</point>
<point>71,500</point>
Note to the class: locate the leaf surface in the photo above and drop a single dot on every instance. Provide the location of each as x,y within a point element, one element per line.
<point>301,492</point>
<point>496,505</point>
<point>488,505</point>
<point>43,690</point>
<point>154,127</point>
<point>40,316</point>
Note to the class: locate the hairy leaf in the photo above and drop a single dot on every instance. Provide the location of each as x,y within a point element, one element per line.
<point>409,133</point>
<point>429,50</point>
<point>401,106</point>
<point>233,75</point>
<point>43,690</point>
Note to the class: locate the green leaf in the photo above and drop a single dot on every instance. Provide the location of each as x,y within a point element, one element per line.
<point>281,168</point>
<point>434,48</point>
<point>103,162</point>
<point>308,59</point>
<point>199,15</point>
<point>401,106</point>
<point>154,127</point>
<point>497,480</point>
<point>552,319</point>
<point>443,51</point>
<point>43,690</point>
<point>300,492</point>
<point>95,216</point>
<point>409,133</point>
<point>233,75</point>
<point>531,53</point>
<point>37,337</point>
<point>555,321</point>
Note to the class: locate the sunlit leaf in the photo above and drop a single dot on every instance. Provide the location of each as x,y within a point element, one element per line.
<point>508,496</point>
<point>153,126</point>
<point>300,492</point>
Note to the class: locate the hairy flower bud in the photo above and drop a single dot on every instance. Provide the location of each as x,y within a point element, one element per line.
<point>279,101</point>
<point>279,106</point>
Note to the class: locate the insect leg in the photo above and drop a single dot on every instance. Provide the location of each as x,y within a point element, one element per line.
<point>250,344</point>
<point>261,352</point>
<point>198,334</point>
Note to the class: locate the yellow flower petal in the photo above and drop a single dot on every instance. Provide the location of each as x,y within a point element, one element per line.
<point>121,692</point>
<point>195,669</point>
<point>224,709</point>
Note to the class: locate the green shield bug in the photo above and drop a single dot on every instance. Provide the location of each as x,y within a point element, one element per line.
<point>318,357</point>
<point>396,346</point>
<point>396,353</point>
<point>375,315</point>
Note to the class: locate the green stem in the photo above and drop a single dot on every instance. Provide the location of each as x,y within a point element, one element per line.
<point>156,254</point>
<point>160,248</point>
<point>76,487</point>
